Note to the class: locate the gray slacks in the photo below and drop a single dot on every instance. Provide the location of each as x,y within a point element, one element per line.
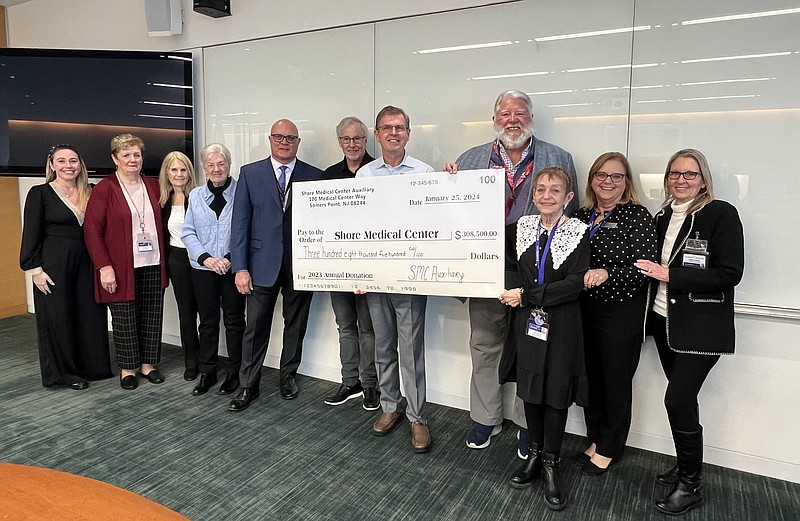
<point>489,324</point>
<point>356,339</point>
<point>399,324</point>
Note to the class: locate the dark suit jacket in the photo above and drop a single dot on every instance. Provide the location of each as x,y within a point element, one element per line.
<point>700,301</point>
<point>261,240</point>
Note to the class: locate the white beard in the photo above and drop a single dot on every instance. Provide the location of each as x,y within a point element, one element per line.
<point>513,143</point>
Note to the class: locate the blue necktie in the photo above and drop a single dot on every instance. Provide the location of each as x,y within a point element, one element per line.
<point>282,179</point>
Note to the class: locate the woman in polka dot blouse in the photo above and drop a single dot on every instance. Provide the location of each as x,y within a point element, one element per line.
<point>614,305</point>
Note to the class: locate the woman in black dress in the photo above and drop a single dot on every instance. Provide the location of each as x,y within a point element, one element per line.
<point>72,328</point>
<point>621,231</point>
<point>544,351</point>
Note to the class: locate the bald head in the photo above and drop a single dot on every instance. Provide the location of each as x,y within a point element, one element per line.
<point>284,140</point>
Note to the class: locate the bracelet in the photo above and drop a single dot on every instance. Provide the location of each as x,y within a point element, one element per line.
<point>520,295</point>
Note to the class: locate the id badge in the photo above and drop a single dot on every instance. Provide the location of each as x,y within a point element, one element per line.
<point>143,242</point>
<point>538,324</point>
<point>694,260</point>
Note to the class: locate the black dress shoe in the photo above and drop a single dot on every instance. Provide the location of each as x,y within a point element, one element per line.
<point>79,386</point>
<point>129,382</point>
<point>230,384</point>
<point>154,376</point>
<point>289,388</point>
<point>190,374</point>
<point>207,381</point>
<point>241,402</point>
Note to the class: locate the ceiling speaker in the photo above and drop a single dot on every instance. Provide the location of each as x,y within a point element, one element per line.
<point>163,17</point>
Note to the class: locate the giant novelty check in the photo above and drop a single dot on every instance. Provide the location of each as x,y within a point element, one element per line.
<point>428,234</point>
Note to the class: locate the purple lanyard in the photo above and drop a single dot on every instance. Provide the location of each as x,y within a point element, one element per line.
<point>592,227</point>
<point>540,262</point>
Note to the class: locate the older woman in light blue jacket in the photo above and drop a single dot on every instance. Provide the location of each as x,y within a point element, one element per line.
<point>207,236</point>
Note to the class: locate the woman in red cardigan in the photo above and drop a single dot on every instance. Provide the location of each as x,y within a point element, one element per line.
<point>125,239</point>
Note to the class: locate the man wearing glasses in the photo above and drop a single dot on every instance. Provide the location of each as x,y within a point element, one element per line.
<point>398,317</point>
<point>520,156</point>
<point>261,257</point>
<point>356,337</point>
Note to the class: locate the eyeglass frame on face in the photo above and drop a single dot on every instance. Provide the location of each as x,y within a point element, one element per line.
<point>615,178</point>
<point>689,175</point>
<point>397,128</point>
<point>281,137</point>
<point>357,140</point>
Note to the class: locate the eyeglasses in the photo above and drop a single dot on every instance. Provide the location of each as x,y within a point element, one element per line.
<point>397,128</point>
<point>61,146</point>
<point>686,175</point>
<point>280,137</point>
<point>615,178</point>
<point>357,140</point>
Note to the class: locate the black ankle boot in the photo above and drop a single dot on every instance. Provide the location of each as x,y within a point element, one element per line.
<point>530,469</point>
<point>554,496</point>
<point>670,477</point>
<point>688,492</point>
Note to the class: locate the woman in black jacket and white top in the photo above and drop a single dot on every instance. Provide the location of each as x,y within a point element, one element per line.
<point>701,249</point>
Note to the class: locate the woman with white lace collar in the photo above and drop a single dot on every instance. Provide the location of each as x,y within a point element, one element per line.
<point>544,350</point>
<point>701,249</point>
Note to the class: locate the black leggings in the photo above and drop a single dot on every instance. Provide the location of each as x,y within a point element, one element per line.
<point>546,425</point>
<point>686,373</point>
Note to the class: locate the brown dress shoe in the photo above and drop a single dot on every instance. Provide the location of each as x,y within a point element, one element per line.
<point>386,422</point>
<point>420,437</point>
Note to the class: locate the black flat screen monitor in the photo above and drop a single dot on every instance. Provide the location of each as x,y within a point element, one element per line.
<point>84,98</point>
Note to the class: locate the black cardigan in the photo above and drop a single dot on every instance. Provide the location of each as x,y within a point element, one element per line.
<point>700,301</point>
<point>165,213</point>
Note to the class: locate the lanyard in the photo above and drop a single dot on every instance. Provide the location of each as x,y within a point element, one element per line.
<point>594,227</point>
<point>540,262</point>
<point>510,178</point>
<point>133,203</point>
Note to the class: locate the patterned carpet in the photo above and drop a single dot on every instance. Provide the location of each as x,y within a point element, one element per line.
<point>303,460</point>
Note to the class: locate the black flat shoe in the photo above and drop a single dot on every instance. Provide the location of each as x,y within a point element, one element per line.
<point>129,382</point>
<point>79,386</point>
<point>190,374</point>
<point>289,388</point>
<point>581,459</point>
<point>154,377</point>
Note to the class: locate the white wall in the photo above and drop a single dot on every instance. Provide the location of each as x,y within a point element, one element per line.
<point>747,403</point>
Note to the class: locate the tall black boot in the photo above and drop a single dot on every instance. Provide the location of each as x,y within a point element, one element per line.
<point>530,469</point>
<point>670,477</point>
<point>688,492</point>
<point>554,496</point>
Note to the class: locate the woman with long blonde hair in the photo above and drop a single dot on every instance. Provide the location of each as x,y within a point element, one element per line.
<point>72,329</point>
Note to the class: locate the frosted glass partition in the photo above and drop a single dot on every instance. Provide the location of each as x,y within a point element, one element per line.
<point>314,79</point>
<point>643,77</point>
<point>726,82</point>
<point>449,93</point>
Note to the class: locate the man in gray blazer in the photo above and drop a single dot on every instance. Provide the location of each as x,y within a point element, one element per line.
<point>520,155</point>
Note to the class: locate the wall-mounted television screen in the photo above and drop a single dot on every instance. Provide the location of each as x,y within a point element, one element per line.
<point>84,98</point>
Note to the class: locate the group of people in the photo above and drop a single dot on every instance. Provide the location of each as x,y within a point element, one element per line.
<point>586,280</point>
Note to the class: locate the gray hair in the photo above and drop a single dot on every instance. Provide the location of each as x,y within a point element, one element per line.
<point>350,120</point>
<point>215,148</point>
<point>516,94</point>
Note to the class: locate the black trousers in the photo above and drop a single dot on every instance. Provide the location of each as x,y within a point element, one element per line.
<point>613,335</point>
<point>260,307</point>
<point>180,273</point>
<point>136,325</point>
<point>213,291</point>
<point>686,373</point>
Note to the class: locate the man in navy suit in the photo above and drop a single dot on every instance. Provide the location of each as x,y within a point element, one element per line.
<point>261,257</point>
